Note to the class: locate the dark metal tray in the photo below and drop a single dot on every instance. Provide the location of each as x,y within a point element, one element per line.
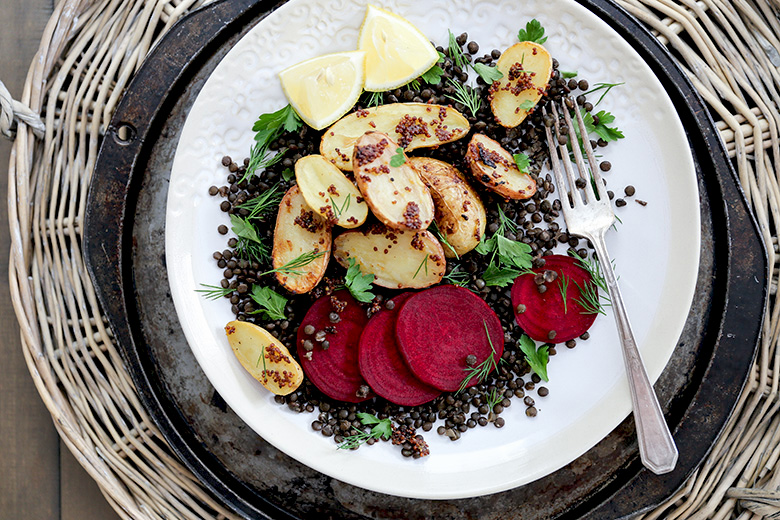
<point>123,243</point>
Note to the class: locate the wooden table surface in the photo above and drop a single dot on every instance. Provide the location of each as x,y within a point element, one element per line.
<point>39,478</point>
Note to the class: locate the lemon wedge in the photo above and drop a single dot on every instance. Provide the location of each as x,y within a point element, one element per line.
<point>396,51</point>
<point>323,89</point>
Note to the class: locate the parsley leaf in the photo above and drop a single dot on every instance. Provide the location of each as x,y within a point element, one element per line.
<point>382,428</point>
<point>536,358</point>
<point>271,303</point>
<point>288,174</point>
<point>568,74</point>
<point>486,245</point>
<point>267,128</point>
<point>602,130</point>
<point>433,75</point>
<point>526,105</point>
<point>522,161</point>
<point>488,73</point>
<point>358,284</point>
<point>499,277</point>
<point>244,229</point>
<point>398,159</point>
<point>513,253</point>
<point>533,32</point>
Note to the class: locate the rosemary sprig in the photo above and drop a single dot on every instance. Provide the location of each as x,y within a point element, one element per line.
<point>261,205</point>
<point>293,266</point>
<point>214,292</point>
<point>424,263</point>
<point>482,370</point>
<point>466,96</point>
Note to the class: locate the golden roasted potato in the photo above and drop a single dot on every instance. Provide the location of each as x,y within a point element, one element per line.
<point>300,231</point>
<point>411,125</point>
<point>459,212</point>
<point>495,168</point>
<point>391,187</point>
<point>264,357</point>
<point>526,67</point>
<point>398,259</point>
<point>329,192</point>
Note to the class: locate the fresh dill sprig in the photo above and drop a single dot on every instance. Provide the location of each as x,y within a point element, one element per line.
<point>294,266</point>
<point>375,99</point>
<point>214,292</point>
<point>457,277</point>
<point>482,370</point>
<point>505,223</point>
<point>590,300</point>
<point>260,158</point>
<point>414,85</point>
<point>424,263</point>
<point>261,205</point>
<point>606,87</point>
<point>466,96</point>
<point>338,211</point>
<point>443,239</point>
<point>493,399</point>
<point>563,286</point>
<point>268,128</point>
<point>250,245</point>
<point>456,52</point>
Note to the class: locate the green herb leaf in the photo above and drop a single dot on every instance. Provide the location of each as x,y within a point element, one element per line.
<point>288,174</point>
<point>563,287</point>
<point>568,74</point>
<point>602,130</point>
<point>382,428</point>
<point>293,267</point>
<point>367,418</point>
<point>267,128</point>
<point>606,87</point>
<point>486,245</point>
<point>263,204</point>
<point>398,159</point>
<point>513,253</point>
<point>357,283</point>
<point>482,370</point>
<point>533,32</point>
<point>522,161</point>
<point>487,73</point>
<point>499,276</point>
<point>433,75</point>
<point>214,292</point>
<point>375,99</point>
<point>271,303</point>
<point>457,277</point>
<point>537,358</point>
<point>424,263</point>
<point>244,229</point>
<point>526,105</point>
<point>456,52</point>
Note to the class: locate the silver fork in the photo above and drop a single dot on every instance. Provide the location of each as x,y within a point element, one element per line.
<point>591,218</point>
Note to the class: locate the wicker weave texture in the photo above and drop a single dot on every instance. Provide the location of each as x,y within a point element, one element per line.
<point>89,52</point>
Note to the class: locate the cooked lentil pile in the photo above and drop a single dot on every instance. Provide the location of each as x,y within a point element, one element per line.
<point>451,414</point>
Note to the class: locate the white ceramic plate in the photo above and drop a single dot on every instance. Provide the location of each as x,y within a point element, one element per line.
<point>655,249</point>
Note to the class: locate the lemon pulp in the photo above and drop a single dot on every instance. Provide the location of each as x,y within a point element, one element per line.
<point>396,51</point>
<point>323,89</point>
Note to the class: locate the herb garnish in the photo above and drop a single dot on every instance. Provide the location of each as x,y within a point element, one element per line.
<point>493,399</point>
<point>592,301</point>
<point>398,159</point>
<point>499,276</point>
<point>433,75</point>
<point>264,203</point>
<point>487,73</point>
<point>536,358</point>
<point>375,99</point>
<point>602,86</point>
<point>288,174</point>
<point>533,32</point>
<point>424,263</point>
<point>338,211</point>
<point>601,129</point>
<point>381,429</point>
<point>443,239</point>
<point>357,283</point>
<point>509,258</point>
<point>457,277</point>
<point>214,292</point>
<point>250,246</point>
<point>456,52</point>
<point>271,303</point>
<point>563,286</point>
<point>294,265</point>
<point>482,370</point>
<point>466,96</point>
<point>268,128</point>
<point>568,74</point>
<point>522,161</point>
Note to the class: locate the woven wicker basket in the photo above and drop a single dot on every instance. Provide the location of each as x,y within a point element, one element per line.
<point>88,53</point>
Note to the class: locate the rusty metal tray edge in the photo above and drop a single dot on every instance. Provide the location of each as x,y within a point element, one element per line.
<point>737,305</point>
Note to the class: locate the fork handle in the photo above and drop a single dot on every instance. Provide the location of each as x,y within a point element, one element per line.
<point>656,445</point>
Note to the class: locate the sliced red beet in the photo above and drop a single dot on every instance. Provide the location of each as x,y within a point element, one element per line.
<point>381,362</point>
<point>545,318</point>
<point>334,370</point>
<point>437,329</point>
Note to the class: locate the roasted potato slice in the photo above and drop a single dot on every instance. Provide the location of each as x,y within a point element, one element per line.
<point>411,125</point>
<point>329,192</point>
<point>459,212</point>
<point>398,259</point>
<point>264,357</point>
<point>526,67</point>
<point>300,231</point>
<point>496,169</point>
<point>392,188</point>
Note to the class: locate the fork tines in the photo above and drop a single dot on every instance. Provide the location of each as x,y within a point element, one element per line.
<point>557,141</point>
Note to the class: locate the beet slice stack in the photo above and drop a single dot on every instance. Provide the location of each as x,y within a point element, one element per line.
<point>381,362</point>
<point>334,370</point>
<point>437,329</point>
<point>545,317</point>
